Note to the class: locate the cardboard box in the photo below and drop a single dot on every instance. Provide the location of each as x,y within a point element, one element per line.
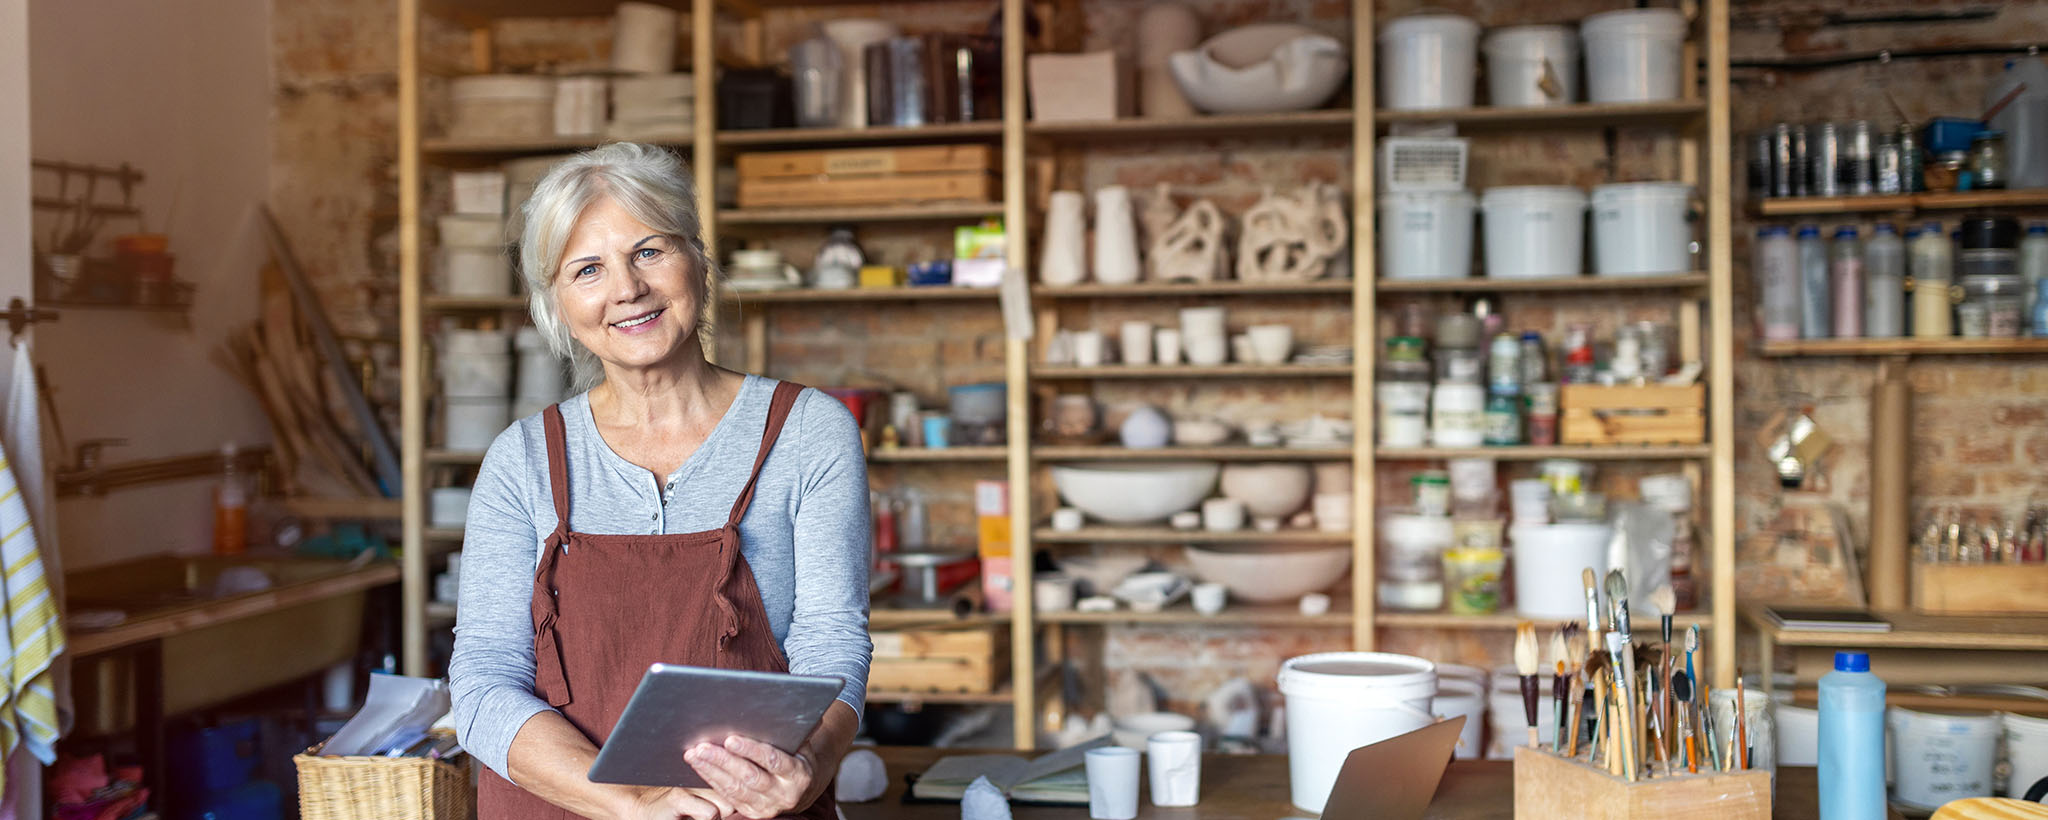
<point>1070,87</point>
<point>992,517</point>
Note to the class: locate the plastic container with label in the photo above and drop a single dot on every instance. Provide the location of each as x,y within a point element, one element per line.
<point>1534,231</point>
<point>1633,55</point>
<point>1640,228</point>
<point>1531,65</point>
<point>1428,61</point>
<point>1426,234</point>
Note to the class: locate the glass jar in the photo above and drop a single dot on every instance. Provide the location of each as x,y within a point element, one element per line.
<point>1656,349</point>
<point>1504,366</point>
<point>1761,724</point>
<point>1472,579</point>
<point>1578,353</point>
<point>1945,170</point>
<point>1987,160</point>
<point>1993,306</point>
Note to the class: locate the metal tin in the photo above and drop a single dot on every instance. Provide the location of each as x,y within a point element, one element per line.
<point>1911,164</point>
<point>1824,159</point>
<point>1859,157</point>
<point>1891,171</point>
<point>1783,163</point>
<point>1762,150</point>
<point>1987,160</point>
<point>1796,169</point>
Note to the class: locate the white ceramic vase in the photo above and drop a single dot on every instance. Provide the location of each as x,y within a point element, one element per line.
<point>1064,257</point>
<point>1116,236</point>
<point>853,36</point>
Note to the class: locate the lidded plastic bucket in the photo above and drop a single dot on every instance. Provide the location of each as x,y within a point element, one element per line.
<point>1428,61</point>
<point>1534,231</point>
<point>1426,234</point>
<point>1339,701</point>
<point>1633,55</point>
<point>1518,58</point>
<point>1640,229</point>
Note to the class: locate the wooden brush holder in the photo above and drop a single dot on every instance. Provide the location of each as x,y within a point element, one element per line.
<point>1549,785</point>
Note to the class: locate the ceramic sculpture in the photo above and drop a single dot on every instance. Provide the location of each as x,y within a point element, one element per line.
<point>1291,236</point>
<point>1261,68</point>
<point>1065,261</point>
<point>1116,237</point>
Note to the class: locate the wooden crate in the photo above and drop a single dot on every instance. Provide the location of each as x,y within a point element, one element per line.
<point>1648,414</point>
<point>868,176</point>
<point>1549,786</point>
<point>973,660</point>
<point>1980,589</point>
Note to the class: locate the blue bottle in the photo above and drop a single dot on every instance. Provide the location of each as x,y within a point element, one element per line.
<point>2041,308</point>
<point>1851,741</point>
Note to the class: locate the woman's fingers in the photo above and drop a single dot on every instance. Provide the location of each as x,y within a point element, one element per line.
<point>686,803</point>
<point>775,761</point>
<point>742,776</point>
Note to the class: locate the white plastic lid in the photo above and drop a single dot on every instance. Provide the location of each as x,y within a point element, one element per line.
<point>1439,25</point>
<point>1351,674</point>
<point>1515,37</point>
<point>1537,195</point>
<point>1625,191</point>
<point>1660,23</point>
<point>502,87</point>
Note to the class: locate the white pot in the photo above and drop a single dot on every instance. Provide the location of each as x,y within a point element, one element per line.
<point>1938,757</point>
<point>1298,75</point>
<point>1065,251</point>
<point>644,38</point>
<point>1428,61</point>
<point>1549,562</point>
<point>475,272</point>
<point>1116,237</point>
<point>471,424</point>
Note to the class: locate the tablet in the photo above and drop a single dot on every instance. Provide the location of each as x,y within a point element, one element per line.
<point>677,707</point>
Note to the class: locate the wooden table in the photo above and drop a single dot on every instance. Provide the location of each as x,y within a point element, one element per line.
<point>1910,630</point>
<point>1256,788</point>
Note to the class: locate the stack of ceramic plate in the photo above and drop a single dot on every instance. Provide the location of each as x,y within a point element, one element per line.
<point>1324,354</point>
<point>653,108</point>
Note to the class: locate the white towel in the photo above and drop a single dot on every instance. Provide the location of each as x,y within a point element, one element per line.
<point>34,636</point>
<point>21,435</point>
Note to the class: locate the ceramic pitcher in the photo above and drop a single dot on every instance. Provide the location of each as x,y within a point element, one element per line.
<point>1065,260</point>
<point>1116,237</point>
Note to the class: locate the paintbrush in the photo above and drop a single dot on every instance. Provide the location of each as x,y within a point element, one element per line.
<point>1711,741</point>
<point>1741,726</point>
<point>1596,664</point>
<point>1617,602</point>
<point>1557,687</point>
<point>1593,619</point>
<point>1666,602</point>
<point>1526,666</point>
<point>1624,705</point>
<point>1681,690</point>
<point>1574,685</point>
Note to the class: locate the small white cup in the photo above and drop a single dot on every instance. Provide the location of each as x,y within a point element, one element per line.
<point>1271,344</point>
<point>1208,599</point>
<point>1333,511</point>
<point>1241,349</point>
<point>1186,520</point>
<point>1207,351</point>
<point>1315,603</point>
<point>1052,592</point>
<point>1112,783</point>
<point>1266,523</point>
<point>1088,348</point>
<point>1135,339</point>
<point>1166,345</point>
<point>1066,519</point>
<point>1202,323</point>
<point>1174,761</point>
<point>1223,515</point>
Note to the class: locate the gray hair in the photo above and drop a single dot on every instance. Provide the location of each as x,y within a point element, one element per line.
<point>653,185</point>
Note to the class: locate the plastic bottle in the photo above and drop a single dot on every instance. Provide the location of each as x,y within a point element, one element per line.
<point>2041,308</point>
<point>2034,259</point>
<point>230,506</point>
<point>1816,311</point>
<point>1933,266</point>
<point>1534,360</point>
<point>1884,276</point>
<point>2024,119</point>
<point>1845,272</point>
<point>1777,268</point>
<point>1852,750</point>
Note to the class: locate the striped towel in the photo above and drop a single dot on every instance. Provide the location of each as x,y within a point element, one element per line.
<point>33,637</point>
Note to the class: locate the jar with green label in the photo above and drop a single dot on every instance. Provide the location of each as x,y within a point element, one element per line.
<point>1502,423</point>
<point>1472,579</point>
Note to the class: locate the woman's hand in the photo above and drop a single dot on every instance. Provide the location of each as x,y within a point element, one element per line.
<point>673,803</point>
<point>759,780</point>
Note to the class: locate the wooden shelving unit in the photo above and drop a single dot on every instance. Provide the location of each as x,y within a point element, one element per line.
<point>1235,614</point>
<point>1165,535</point>
<point>1577,115</point>
<point>814,296</point>
<point>941,455</point>
<point>1219,453</point>
<point>1192,371</point>
<point>1232,287</point>
<point>481,304</point>
<point>1642,452</point>
<point>453,147</point>
<point>459,458</point>
<point>1906,347</point>
<point>809,137</point>
<point>1508,620</point>
<point>938,212</point>
<point>1576,284</point>
<point>1336,123</point>
<point>1897,203</point>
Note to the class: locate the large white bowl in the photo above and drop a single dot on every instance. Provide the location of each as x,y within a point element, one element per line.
<point>1268,573</point>
<point>1135,493</point>
<point>1297,75</point>
<point>1269,489</point>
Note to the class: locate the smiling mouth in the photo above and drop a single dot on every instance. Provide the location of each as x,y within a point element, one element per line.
<point>640,320</point>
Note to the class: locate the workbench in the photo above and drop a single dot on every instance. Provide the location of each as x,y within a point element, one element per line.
<point>1255,787</point>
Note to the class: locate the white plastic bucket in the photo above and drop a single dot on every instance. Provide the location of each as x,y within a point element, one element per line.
<point>1428,61</point>
<point>471,425</point>
<point>1633,55</point>
<point>1339,701</point>
<point>475,272</point>
<point>540,373</point>
<point>1941,756</point>
<point>2026,751</point>
<point>1534,231</point>
<point>1456,671</point>
<point>1798,735</point>
<point>1516,58</point>
<point>473,231</point>
<point>475,364</point>
<point>1458,696</point>
<point>1426,234</point>
<point>1510,721</point>
<point>448,506</point>
<point>1640,229</point>
<point>1549,562</point>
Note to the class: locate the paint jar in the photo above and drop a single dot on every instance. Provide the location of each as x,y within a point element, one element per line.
<point>1457,415</point>
<point>1432,492</point>
<point>1472,579</point>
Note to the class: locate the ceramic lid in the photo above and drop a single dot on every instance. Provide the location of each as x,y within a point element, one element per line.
<point>1443,25</point>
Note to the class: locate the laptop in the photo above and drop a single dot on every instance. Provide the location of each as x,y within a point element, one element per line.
<point>1394,778</point>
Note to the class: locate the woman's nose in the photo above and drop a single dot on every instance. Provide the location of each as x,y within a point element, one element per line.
<point>629,284</point>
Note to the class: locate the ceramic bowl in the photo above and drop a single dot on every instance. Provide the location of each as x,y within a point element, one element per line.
<point>1135,493</point>
<point>1101,573</point>
<point>1200,432</point>
<point>1268,489</point>
<point>1132,731</point>
<point>1298,75</point>
<point>1270,573</point>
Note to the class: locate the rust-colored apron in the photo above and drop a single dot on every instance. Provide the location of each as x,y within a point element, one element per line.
<point>605,607</point>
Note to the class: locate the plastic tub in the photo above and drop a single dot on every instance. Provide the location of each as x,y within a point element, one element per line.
<point>1457,696</point>
<point>475,272</point>
<point>2026,751</point>
<point>473,231</point>
<point>476,375</point>
<point>471,424</point>
<point>1456,415</point>
<point>1428,61</point>
<point>1640,229</point>
<point>541,375</point>
<point>1339,701</point>
<point>1534,231</point>
<point>1549,560</point>
<point>1941,756</point>
<point>1798,735</point>
<point>1426,234</point>
<point>1633,55</point>
<point>448,506</point>
<point>1516,59</point>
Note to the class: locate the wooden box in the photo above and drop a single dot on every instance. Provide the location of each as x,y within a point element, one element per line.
<point>1647,414</point>
<point>868,176</point>
<point>1079,87</point>
<point>1550,786</point>
<point>1980,589</point>
<point>973,660</point>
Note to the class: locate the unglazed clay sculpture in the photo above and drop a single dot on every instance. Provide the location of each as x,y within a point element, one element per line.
<point>1116,240</point>
<point>1191,248</point>
<point>1291,236</point>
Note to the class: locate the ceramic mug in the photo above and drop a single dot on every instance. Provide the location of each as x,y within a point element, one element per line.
<point>1052,592</point>
<point>1271,344</point>
<point>1223,515</point>
<point>1201,323</point>
<point>1208,598</point>
<point>1135,342</point>
<point>1067,519</point>
<point>1166,345</point>
<point>1088,348</point>
<point>1241,349</point>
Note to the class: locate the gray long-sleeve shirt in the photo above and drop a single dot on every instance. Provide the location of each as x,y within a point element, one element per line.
<point>805,538</point>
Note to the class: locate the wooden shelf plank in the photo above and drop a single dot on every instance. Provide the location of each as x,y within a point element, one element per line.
<point>1293,124</point>
<point>442,534</point>
<point>1572,284</point>
<point>1235,614</point>
<point>1905,347</point>
<point>379,509</point>
<point>825,297</point>
<point>179,620</point>
<point>1577,115</point>
<point>1883,203</point>
<point>890,618</point>
<point>927,455</point>
<point>455,457</point>
<point>1166,535</point>
<point>1085,453</point>
<point>1508,620</point>
<point>853,136</point>
<point>1002,695</point>
<point>1190,371</point>
<point>1170,289</point>
<point>471,146</point>
<point>1915,631</point>
<point>939,212</point>
<point>472,304</point>
<point>1669,452</point>
<point>440,612</point>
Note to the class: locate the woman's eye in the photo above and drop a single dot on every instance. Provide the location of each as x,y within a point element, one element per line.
<point>586,270</point>
<point>647,253</point>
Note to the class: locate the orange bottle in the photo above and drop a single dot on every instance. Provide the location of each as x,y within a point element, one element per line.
<point>230,507</point>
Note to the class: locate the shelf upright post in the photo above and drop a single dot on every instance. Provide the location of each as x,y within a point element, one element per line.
<point>1721,389</point>
<point>412,410</point>
<point>1364,329</point>
<point>1016,353</point>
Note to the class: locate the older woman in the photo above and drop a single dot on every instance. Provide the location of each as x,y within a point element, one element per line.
<point>676,512</point>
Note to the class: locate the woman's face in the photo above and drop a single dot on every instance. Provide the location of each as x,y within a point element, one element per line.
<point>628,292</point>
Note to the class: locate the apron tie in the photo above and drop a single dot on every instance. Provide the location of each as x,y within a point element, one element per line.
<point>549,664</point>
<point>728,557</point>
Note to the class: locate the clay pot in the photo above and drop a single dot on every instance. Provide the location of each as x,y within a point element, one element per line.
<point>1268,489</point>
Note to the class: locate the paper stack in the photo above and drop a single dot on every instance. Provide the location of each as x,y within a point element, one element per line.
<point>653,108</point>
<point>394,718</point>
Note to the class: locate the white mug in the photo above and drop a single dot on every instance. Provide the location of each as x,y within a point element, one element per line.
<point>1174,761</point>
<point>1135,339</point>
<point>1223,515</point>
<point>1052,592</point>
<point>1166,345</point>
<point>1241,349</point>
<point>1271,344</point>
<point>1066,519</point>
<point>1112,783</point>
<point>1209,598</point>
<point>1206,351</point>
<point>1088,348</point>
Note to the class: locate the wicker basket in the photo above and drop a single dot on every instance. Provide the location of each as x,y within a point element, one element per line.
<point>384,788</point>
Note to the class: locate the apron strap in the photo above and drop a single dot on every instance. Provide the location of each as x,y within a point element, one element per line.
<point>558,465</point>
<point>729,539</point>
<point>549,667</point>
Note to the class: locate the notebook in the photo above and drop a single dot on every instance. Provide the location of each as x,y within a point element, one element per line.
<point>1058,777</point>
<point>1825,619</point>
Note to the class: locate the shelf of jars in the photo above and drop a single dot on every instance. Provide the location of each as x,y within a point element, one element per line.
<point>1057,453</point>
<point>1901,203</point>
<point>1571,284</point>
<point>1168,535</point>
<point>1228,287</point>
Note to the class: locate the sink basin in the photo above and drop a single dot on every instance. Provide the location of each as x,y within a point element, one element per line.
<point>220,641</point>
